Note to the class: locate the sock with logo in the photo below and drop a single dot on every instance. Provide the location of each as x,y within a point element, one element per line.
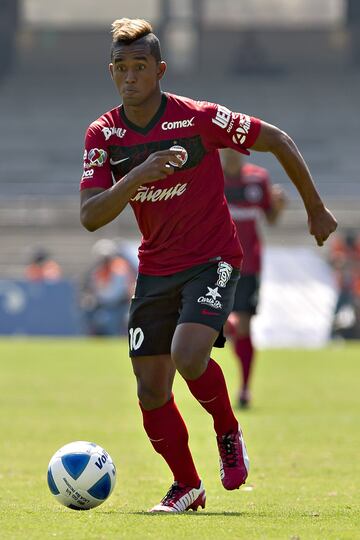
<point>169,436</point>
<point>245,352</point>
<point>211,392</point>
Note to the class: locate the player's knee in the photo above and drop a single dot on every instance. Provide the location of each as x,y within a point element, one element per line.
<point>242,332</point>
<point>152,398</point>
<point>242,326</point>
<point>190,361</point>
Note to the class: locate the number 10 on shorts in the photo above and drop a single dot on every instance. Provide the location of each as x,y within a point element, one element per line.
<point>136,337</point>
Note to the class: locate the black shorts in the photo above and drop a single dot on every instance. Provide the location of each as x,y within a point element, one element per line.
<point>247,294</point>
<point>201,294</point>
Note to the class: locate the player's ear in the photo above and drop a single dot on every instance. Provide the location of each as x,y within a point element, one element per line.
<point>111,69</point>
<point>161,69</point>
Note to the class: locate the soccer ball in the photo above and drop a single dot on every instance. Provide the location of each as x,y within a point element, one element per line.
<point>81,475</point>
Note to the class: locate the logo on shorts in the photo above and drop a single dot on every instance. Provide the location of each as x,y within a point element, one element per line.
<point>210,298</point>
<point>224,270</point>
<point>206,312</point>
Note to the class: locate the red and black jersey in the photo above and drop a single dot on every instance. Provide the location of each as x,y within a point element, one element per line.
<point>249,196</point>
<point>184,219</point>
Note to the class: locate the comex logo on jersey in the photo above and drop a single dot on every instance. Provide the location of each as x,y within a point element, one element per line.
<point>189,122</point>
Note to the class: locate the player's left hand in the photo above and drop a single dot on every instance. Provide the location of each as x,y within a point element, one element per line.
<point>321,224</point>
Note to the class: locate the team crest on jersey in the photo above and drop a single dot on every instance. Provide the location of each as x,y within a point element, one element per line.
<point>96,158</point>
<point>224,270</point>
<point>182,155</point>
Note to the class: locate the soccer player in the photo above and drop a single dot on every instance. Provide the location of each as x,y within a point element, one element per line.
<point>250,196</point>
<point>158,152</point>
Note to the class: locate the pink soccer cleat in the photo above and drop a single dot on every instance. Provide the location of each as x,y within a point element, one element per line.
<point>181,498</point>
<point>234,460</point>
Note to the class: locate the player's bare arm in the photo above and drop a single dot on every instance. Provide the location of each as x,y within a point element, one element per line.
<point>99,207</point>
<point>321,222</point>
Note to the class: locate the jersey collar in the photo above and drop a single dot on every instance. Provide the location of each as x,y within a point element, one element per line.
<point>153,121</point>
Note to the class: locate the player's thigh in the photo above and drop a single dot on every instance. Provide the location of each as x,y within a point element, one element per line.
<point>207,300</point>
<point>154,312</point>
<point>191,348</point>
<point>155,376</point>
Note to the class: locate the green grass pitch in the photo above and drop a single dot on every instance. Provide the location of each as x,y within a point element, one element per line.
<point>302,434</point>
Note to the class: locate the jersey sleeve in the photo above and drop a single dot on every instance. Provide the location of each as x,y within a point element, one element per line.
<point>222,128</point>
<point>96,171</point>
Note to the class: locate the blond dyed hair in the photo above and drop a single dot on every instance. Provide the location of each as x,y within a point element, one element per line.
<point>129,30</point>
<point>126,31</point>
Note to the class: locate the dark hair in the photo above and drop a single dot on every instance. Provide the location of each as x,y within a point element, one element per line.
<point>126,31</point>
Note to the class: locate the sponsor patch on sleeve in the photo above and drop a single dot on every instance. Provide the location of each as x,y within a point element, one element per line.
<point>236,124</point>
<point>96,157</point>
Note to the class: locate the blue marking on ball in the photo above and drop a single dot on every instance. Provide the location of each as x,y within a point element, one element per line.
<point>75,464</point>
<point>102,488</point>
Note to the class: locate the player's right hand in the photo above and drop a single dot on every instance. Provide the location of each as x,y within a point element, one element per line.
<point>321,224</point>
<point>157,166</point>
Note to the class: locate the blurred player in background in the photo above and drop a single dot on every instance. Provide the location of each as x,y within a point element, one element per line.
<point>250,195</point>
<point>158,152</point>
<point>107,290</point>
<point>344,258</point>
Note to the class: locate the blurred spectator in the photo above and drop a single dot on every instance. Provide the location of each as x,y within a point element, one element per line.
<point>107,290</point>
<point>250,196</point>
<point>345,260</point>
<point>42,267</point>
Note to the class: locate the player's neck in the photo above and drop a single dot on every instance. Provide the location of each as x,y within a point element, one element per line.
<point>141,115</point>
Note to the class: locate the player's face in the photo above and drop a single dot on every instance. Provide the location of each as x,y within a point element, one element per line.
<point>136,72</point>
